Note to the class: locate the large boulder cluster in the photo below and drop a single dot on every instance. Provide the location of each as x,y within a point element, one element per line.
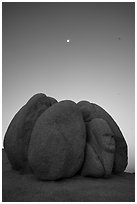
<point>55,140</point>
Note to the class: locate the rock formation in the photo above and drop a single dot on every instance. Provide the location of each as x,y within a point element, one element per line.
<point>91,111</point>
<point>99,157</point>
<point>57,143</point>
<point>18,134</point>
<point>55,140</point>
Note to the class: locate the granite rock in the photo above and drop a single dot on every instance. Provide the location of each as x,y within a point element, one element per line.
<point>101,147</point>
<point>92,165</point>
<point>57,144</point>
<point>17,137</point>
<point>91,111</point>
<point>52,100</point>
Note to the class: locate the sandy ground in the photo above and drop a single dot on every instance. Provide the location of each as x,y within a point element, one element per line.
<point>26,188</point>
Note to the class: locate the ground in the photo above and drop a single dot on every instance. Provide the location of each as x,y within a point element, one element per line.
<point>17,187</point>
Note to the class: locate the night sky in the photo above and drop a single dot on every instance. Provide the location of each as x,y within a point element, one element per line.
<point>97,64</point>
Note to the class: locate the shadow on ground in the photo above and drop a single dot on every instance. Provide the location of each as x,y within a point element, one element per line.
<point>26,188</point>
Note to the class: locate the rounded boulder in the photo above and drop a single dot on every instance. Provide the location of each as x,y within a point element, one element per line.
<point>17,137</point>
<point>91,111</point>
<point>57,144</point>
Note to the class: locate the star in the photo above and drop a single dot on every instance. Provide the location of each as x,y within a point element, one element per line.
<point>68,41</point>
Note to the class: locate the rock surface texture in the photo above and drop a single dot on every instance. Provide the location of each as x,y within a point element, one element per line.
<point>57,142</point>
<point>91,111</point>
<point>99,158</point>
<point>18,134</point>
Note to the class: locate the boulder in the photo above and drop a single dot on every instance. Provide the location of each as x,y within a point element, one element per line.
<point>57,143</point>
<point>91,111</point>
<point>92,165</point>
<point>17,137</point>
<point>52,100</point>
<point>101,149</point>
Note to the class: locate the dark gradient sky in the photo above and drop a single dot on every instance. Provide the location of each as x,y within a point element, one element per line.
<point>97,65</point>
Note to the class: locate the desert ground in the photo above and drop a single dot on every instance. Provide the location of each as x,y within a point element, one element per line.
<point>18,187</point>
